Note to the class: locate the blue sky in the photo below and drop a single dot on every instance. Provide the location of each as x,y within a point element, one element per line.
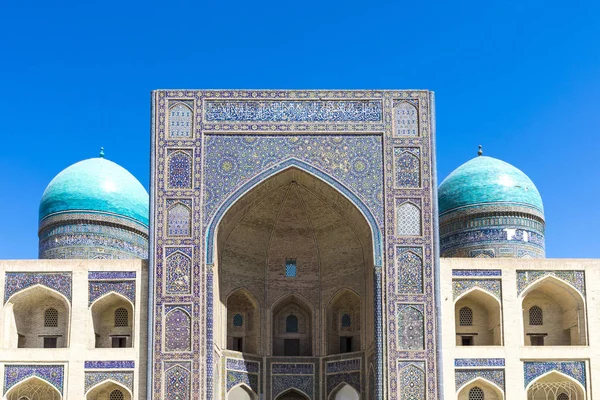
<point>522,78</point>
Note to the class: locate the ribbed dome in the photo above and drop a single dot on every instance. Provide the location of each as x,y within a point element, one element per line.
<point>487,180</point>
<point>96,185</point>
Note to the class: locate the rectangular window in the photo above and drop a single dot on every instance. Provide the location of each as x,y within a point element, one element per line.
<point>118,342</point>
<point>238,344</point>
<point>537,340</point>
<point>50,342</point>
<point>290,267</point>
<point>291,347</point>
<point>467,340</point>
<point>345,344</point>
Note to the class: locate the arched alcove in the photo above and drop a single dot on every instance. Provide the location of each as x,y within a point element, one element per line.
<point>241,392</point>
<point>478,319</point>
<point>292,242</point>
<point>292,394</point>
<point>344,392</point>
<point>553,314</point>
<point>33,388</point>
<point>480,389</point>
<point>112,317</point>
<point>108,390</point>
<point>343,322</point>
<point>292,327</point>
<point>243,326</point>
<point>36,317</point>
<point>555,386</point>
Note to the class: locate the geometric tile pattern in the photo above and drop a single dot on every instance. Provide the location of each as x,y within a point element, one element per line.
<point>94,378</point>
<point>410,269</point>
<point>98,289</point>
<point>17,281</point>
<point>407,166</point>
<point>493,286</point>
<point>408,219</point>
<point>476,272</point>
<point>282,383</point>
<point>462,376</point>
<point>479,362</point>
<point>53,374</point>
<point>180,120</point>
<point>410,327</point>
<point>180,169</point>
<point>109,364</point>
<point>574,369</point>
<point>351,378</point>
<point>178,274</point>
<point>575,278</point>
<point>179,219</point>
<point>406,119</point>
<point>178,330</point>
<point>177,382</point>
<point>411,381</point>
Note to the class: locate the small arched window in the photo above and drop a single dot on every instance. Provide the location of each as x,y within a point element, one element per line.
<point>536,316</point>
<point>291,324</point>
<point>121,317</point>
<point>563,396</point>
<point>465,316</point>
<point>346,321</point>
<point>51,318</point>
<point>116,395</point>
<point>474,394</point>
<point>238,320</point>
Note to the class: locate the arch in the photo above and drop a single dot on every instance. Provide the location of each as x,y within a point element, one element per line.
<point>34,388</point>
<point>105,332</point>
<point>178,382</point>
<point>563,307</point>
<point>344,391</point>
<point>481,382</point>
<point>297,343</point>
<point>342,338</point>
<point>293,394</point>
<point>180,120</point>
<point>241,391</point>
<point>25,318</point>
<point>178,273</point>
<point>245,336</point>
<point>178,330</point>
<point>406,121</point>
<point>486,327</point>
<point>410,271</point>
<point>105,386</point>
<point>407,170</point>
<point>179,217</point>
<point>553,383</point>
<point>411,328</point>
<point>288,164</point>
<point>408,219</point>
<point>555,375</point>
<point>412,379</point>
<point>179,169</point>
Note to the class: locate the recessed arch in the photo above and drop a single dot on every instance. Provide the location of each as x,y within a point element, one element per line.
<point>243,321</point>
<point>485,327</point>
<point>34,388</point>
<point>284,342</point>
<point>554,382</point>
<point>344,391</point>
<point>105,387</point>
<point>106,333</point>
<point>241,391</point>
<point>178,330</point>
<point>487,386</point>
<point>293,394</point>
<point>343,321</point>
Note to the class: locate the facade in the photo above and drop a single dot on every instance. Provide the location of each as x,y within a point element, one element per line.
<point>293,252</point>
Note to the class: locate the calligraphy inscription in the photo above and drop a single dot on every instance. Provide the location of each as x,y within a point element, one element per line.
<point>294,111</point>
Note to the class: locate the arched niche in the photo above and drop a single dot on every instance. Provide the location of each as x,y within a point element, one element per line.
<point>106,389</point>
<point>26,323</point>
<point>292,327</point>
<point>478,319</point>
<point>554,386</point>
<point>292,394</point>
<point>343,322</point>
<point>344,392</point>
<point>241,392</point>
<point>563,316</point>
<point>489,390</point>
<point>33,388</point>
<point>293,234</point>
<point>112,317</point>
<point>243,322</point>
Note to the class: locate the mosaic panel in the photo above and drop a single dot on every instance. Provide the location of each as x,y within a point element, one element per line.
<point>177,382</point>
<point>97,289</point>
<point>406,119</point>
<point>178,330</point>
<point>178,273</point>
<point>407,167</point>
<point>53,374</point>
<point>180,165</point>
<point>94,378</point>
<point>493,286</point>
<point>462,376</point>
<point>408,218</point>
<point>17,281</point>
<point>296,369</point>
<point>479,362</point>
<point>476,272</point>
<point>109,364</point>
<point>351,378</point>
<point>411,381</point>
<point>575,278</point>
<point>484,253</point>
<point>111,275</point>
<point>294,111</point>
<point>282,383</point>
<point>411,327</point>
<point>180,119</point>
<point>343,365</point>
<point>574,369</point>
<point>490,235</point>
<point>243,365</point>
<point>409,262</point>
<point>179,219</point>
<point>234,378</point>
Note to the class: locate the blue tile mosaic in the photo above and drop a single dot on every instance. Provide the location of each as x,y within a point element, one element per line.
<point>410,269</point>
<point>575,278</point>
<point>53,374</point>
<point>476,272</point>
<point>109,364</point>
<point>17,281</point>
<point>411,381</point>
<point>351,378</point>
<point>535,369</point>
<point>109,275</point>
<point>181,119</point>
<point>243,365</point>
<point>297,369</point>
<point>178,272</point>
<point>95,378</point>
<point>343,365</point>
<point>282,383</point>
<point>493,286</point>
<point>407,167</point>
<point>179,174</point>
<point>98,289</point>
<point>411,327</point>
<point>463,376</point>
<point>177,382</point>
<point>234,378</point>
<point>178,329</point>
<point>479,362</point>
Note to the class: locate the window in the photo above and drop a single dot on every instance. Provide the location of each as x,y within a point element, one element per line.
<point>51,318</point>
<point>238,344</point>
<point>119,341</point>
<point>291,324</point>
<point>50,342</point>
<point>465,316</point>
<point>116,395</point>
<point>121,317</point>
<point>290,267</point>
<point>536,317</point>
<point>474,394</point>
<point>563,396</point>
<point>346,321</point>
<point>467,340</point>
<point>345,344</point>
<point>238,320</point>
<point>537,340</point>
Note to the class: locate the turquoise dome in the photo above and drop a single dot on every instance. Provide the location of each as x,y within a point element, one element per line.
<point>486,180</point>
<point>96,185</point>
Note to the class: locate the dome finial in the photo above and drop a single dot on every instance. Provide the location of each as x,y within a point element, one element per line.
<point>102,152</point>
<point>480,151</point>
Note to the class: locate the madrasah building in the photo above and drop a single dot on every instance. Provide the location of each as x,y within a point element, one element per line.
<point>296,245</point>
